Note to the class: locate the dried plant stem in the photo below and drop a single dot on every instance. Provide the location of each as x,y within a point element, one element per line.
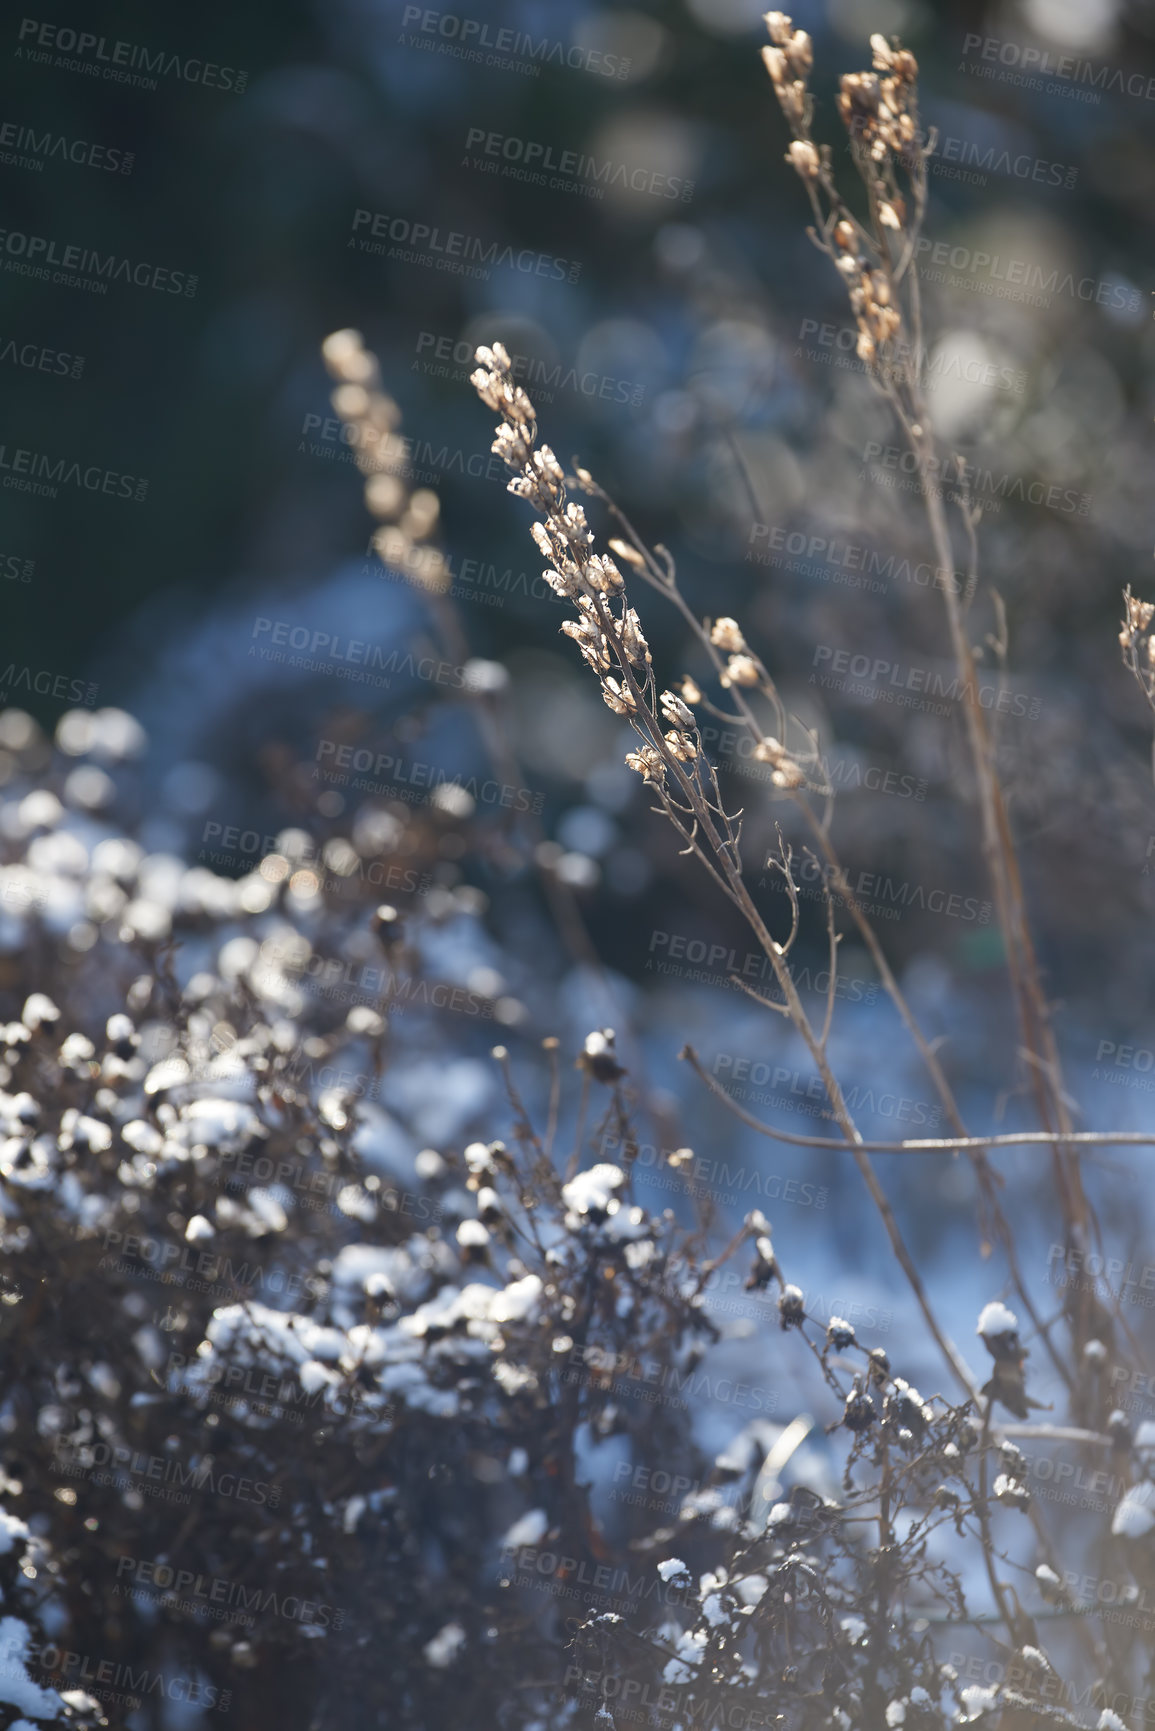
<point>984,1512</point>
<point>1002,859</point>
<point>929,1144</point>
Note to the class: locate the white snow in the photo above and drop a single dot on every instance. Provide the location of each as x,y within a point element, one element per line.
<point>11,1529</point>
<point>593,1190</point>
<point>689,1650</point>
<point>445,1646</point>
<point>996,1319</point>
<point>526,1530</point>
<point>216,1123</point>
<point>16,1687</point>
<point>1135,1516</point>
<point>1145,1437</point>
<point>977,1701</point>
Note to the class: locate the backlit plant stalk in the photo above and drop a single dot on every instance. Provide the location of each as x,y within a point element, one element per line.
<point>876,261</point>
<point>669,755</point>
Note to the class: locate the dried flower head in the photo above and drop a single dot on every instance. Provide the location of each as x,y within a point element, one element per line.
<point>727,634</point>
<point>741,670</point>
<point>804,158</point>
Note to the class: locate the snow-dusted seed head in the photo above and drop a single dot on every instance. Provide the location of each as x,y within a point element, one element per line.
<point>1011,1493</point>
<point>598,1057</point>
<point>998,1328</point>
<point>592,1195</point>
<point>1134,1519</point>
<point>473,1241</point>
<point>858,1414</point>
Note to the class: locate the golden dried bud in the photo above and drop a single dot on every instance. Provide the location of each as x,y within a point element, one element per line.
<point>775,62</point>
<point>780,27</point>
<point>803,157</point>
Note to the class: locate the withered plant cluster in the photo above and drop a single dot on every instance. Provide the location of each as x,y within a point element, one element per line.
<point>309,1417</point>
